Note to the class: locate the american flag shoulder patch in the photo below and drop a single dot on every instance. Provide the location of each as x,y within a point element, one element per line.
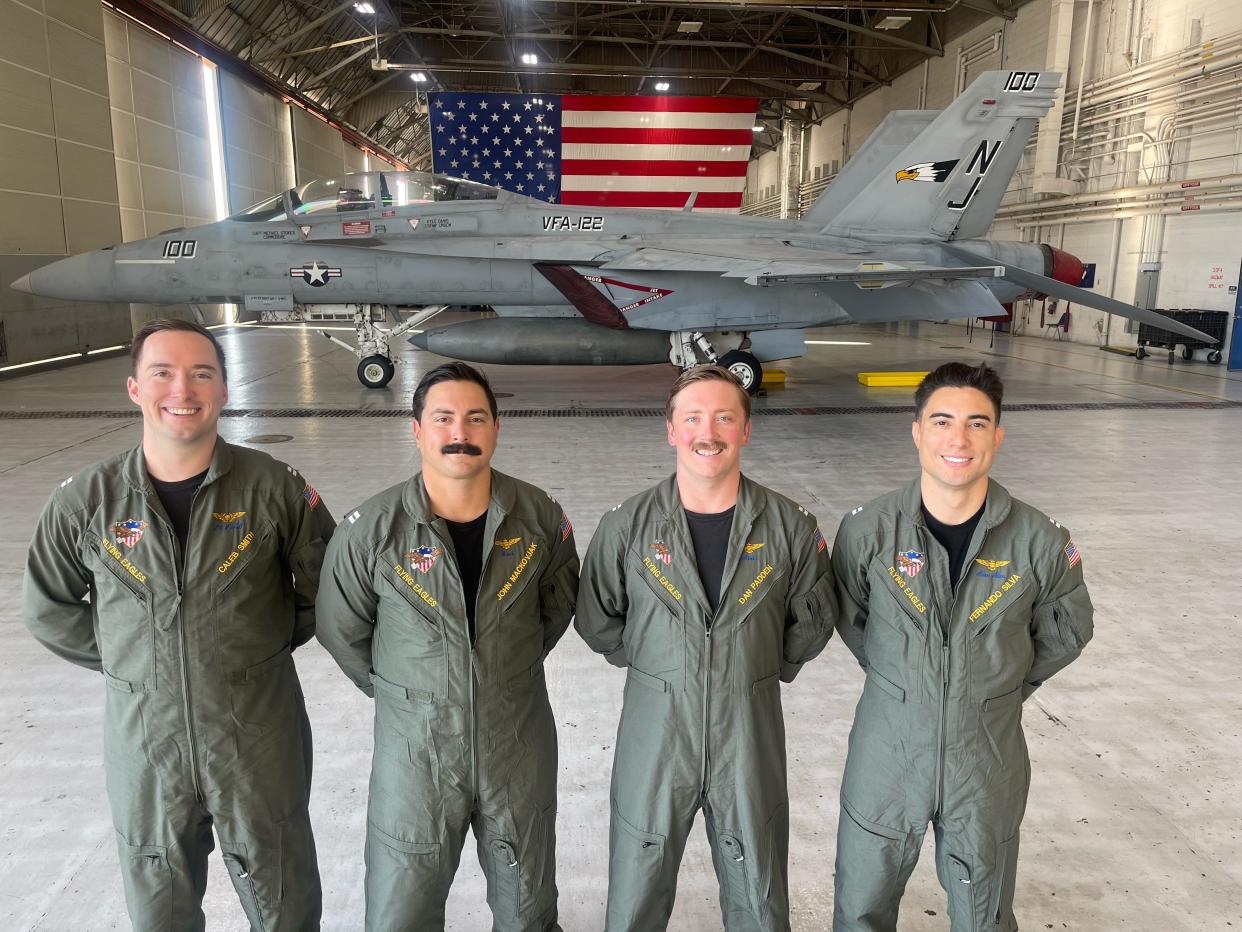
<point>1072,554</point>
<point>566,527</point>
<point>311,496</point>
<point>820,544</point>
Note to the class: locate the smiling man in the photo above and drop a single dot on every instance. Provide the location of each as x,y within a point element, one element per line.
<point>958,601</point>
<point>440,599</point>
<point>712,590</point>
<point>185,570</point>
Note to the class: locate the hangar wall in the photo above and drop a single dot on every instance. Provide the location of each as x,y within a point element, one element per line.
<point>1192,249</point>
<point>106,138</point>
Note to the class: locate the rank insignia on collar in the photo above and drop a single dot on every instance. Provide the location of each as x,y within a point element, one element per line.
<point>227,520</point>
<point>992,569</point>
<point>911,562</point>
<point>128,532</point>
<point>750,551</point>
<point>424,558</point>
<point>663,554</point>
<point>507,544</point>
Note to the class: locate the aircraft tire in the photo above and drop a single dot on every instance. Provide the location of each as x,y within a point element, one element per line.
<point>1140,353</point>
<point>746,367</point>
<point>1214,357</point>
<point>375,371</point>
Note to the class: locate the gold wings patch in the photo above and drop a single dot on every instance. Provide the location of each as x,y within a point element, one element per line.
<point>228,517</point>
<point>508,543</point>
<point>992,565</point>
<point>751,548</point>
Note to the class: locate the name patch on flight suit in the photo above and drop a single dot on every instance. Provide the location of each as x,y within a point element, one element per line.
<point>232,557</point>
<point>907,591</point>
<point>113,551</point>
<point>661,578</point>
<point>517,571</point>
<point>755,584</point>
<point>995,597</point>
<point>415,587</point>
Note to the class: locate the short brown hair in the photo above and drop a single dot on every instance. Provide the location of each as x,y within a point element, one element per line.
<point>706,373</point>
<point>959,375</point>
<point>185,326</point>
<point>452,372</point>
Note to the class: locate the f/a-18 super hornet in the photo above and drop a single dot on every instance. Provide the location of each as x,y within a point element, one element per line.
<point>896,236</point>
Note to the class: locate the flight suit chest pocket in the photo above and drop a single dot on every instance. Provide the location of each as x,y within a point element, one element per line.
<point>244,559</point>
<point>125,606</point>
<point>411,637</point>
<point>656,578</point>
<point>515,568</point>
<point>895,598</point>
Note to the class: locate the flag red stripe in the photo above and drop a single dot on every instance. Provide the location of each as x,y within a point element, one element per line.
<point>661,104</point>
<point>649,199</point>
<point>734,169</point>
<point>659,137</point>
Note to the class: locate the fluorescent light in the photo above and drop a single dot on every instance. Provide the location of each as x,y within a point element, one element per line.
<point>758,128</point>
<point>834,343</point>
<point>529,59</point>
<point>689,25</point>
<point>419,76</point>
<point>105,349</point>
<point>661,86</point>
<point>365,8</point>
<point>40,362</point>
<point>892,22</point>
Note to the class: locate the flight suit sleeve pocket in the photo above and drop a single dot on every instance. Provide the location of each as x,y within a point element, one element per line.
<point>1013,697</point>
<point>884,684</point>
<point>647,680</point>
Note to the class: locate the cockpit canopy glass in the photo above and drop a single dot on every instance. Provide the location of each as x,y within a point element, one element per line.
<point>359,192</point>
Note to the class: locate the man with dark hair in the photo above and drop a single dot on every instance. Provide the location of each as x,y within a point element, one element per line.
<point>440,598</point>
<point>958,601</point>
<point>172,325</point>
<point>712,590</point>
<point>185,570</point>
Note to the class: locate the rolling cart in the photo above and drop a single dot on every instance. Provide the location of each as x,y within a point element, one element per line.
<point>1213,323</point>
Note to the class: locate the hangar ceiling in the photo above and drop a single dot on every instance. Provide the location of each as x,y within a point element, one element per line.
<point>803,62</point>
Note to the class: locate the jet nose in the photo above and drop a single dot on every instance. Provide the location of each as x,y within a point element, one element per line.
<point>23,284</point>
<point>77,278</point>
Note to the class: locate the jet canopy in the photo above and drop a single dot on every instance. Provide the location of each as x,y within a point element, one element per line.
<point>360,192</point>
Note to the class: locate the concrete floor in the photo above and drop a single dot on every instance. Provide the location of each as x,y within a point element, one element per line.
<point>1134,820</point>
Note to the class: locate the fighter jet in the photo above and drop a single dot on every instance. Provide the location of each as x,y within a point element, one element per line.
<point>898,235</point>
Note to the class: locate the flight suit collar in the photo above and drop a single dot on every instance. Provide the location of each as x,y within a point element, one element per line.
<point>418,506</point>
<point>134,467</point>
<point>995,509</point>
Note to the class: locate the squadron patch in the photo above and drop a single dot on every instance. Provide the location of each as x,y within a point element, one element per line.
<point>663,554</point>
<point>750,551</point>
<point>128,532</point>
<point>992,569</point>
<point>227,520</point>
<point>911,562</point>
<point>928,171</point>
<point>424,558</point>
<point>507,544</point>
<point>1072,554</point>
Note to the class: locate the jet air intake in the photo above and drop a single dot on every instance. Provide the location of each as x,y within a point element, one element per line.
<point>545,341</point>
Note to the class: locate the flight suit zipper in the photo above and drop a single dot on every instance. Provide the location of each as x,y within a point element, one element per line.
<point>181,650</point>
<point>707,693</point>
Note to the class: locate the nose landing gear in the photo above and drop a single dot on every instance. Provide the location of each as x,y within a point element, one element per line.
<point>376,365</point>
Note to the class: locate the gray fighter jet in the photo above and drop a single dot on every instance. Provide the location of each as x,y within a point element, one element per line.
<point>896,236</point>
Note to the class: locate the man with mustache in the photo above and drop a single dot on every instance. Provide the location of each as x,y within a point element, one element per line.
<point>440,598</point>
<point>712,590</point>
<point>958,601</point>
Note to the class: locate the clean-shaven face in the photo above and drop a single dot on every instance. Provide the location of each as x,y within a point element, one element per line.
<point>709,429</point>
<point>457,433</point>
<point>957,437</point>
<point>179,386</point>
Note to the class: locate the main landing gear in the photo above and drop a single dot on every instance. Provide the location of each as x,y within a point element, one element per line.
<point>376,365</point>
<point>692,348</point>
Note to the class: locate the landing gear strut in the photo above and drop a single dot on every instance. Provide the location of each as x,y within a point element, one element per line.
<point>692,348</point>
<point>376,365</point>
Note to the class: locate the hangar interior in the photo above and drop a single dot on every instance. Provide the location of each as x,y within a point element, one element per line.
<point>124,119</point>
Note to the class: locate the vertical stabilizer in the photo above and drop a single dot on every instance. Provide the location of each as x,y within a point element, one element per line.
<point>948,181</point>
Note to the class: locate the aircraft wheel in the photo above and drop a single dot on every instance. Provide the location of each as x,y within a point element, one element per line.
<point>376,371</point>
<point>1140,353</point>
<point>1214,357</point>
<point>1188,353</point>
<point>746,368</point>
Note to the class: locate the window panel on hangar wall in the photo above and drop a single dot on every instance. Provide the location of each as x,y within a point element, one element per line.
<point>258,142</point>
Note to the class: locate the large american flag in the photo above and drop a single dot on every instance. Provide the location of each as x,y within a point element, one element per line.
<point>598,151</point>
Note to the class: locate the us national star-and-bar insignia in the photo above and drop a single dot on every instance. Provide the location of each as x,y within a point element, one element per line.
<point>911,562</point>
<point>663,554</point>
<point>128,532</point>
<point>992,568</point>
<point>424,558</point>
<point>506,545</point>
<point>315,274</point>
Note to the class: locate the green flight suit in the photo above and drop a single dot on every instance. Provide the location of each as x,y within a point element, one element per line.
<point>464,734</point>
<point>204,722</point>
<point>937,735</point>
<point>701,725</point>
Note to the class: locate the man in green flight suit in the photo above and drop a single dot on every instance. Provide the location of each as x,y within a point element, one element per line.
<point>958,601</point>
<point>440,598</point>
<point>712,590</point>
<point>185,570</point>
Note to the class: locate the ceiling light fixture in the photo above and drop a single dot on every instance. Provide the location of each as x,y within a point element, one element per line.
<point>418,76</point>
<point>365,8</point>
<point>892,22</point>
<point>689,25</point>
<point>661,86</point>
<point>529,59</point>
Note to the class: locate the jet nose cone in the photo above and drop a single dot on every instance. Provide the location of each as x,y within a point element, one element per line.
<point>23,284</point>
<point>76,278</point>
